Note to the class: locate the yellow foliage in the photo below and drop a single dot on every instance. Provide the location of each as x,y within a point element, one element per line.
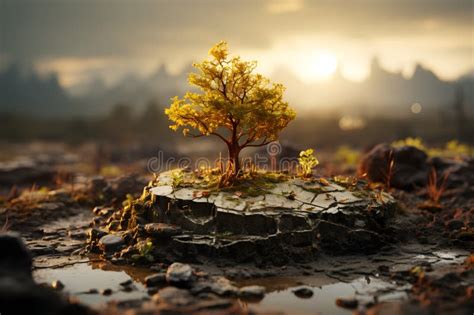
<point>239,106</point>
<point>347,155</point>
<point>307,162</point>
<point>452,149</point>
<point>414,142</point>
<point>456,148</point>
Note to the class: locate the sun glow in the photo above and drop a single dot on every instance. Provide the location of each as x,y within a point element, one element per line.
<point>317,66</point>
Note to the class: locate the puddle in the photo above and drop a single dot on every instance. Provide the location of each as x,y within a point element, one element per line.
<point>323,300</point>
<point>80,278</point>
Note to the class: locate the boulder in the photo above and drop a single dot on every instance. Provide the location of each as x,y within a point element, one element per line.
<point>15,256</point>
<point>410,166</point>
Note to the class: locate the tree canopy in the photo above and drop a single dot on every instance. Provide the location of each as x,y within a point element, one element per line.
<point>235,104</point>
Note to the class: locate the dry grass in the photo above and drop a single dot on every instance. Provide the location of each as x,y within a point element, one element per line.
<point>436,187</point>
<point>388,173</point>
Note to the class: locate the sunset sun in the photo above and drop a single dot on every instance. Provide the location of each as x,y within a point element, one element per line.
<point>317,66</point>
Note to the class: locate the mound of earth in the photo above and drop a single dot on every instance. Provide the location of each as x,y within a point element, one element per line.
<point>289,219</point>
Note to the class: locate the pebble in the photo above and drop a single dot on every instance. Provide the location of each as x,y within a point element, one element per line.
<point>179,274</point>
<point>155,279</point>
<point>303,293</point>
<point>106,291</point>
<point>110,243</point>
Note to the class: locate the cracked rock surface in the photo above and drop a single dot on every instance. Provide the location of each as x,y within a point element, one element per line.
<point>294,218</point>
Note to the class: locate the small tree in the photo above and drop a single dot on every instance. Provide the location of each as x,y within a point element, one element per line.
<point>240,107</point>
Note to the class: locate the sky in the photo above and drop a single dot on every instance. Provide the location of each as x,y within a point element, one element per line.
<point>85,39</point>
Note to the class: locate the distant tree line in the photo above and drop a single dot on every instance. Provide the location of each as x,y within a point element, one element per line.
<point>121,126</point>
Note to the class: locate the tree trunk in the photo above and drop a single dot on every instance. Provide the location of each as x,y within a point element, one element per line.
<point>234,151</point>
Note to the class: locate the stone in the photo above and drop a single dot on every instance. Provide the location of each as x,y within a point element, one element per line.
<point>155,280</point>
<point>218,285</point>
<point>15,257</point>
<point>106,291</point>
<point>174,296</point>
<point>110,243</point>
<point>179,274</point>
<point>252,292</point>
<point>410,166</point>
<point>304,293</point>
<point>162,230</point>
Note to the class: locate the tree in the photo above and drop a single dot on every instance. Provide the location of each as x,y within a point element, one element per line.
<point>240,107</point>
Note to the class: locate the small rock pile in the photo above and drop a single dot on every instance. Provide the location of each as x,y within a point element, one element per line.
<point>183,290</point>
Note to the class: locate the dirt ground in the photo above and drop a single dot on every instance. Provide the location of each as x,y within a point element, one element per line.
<point>428,269</point>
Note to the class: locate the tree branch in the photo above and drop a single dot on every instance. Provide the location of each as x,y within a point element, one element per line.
<point>264,142</point>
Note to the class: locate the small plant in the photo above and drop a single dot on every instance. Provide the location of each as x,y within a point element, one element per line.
<point>177,178</point>
<point>307,162</point>
<point>145,249</point>
<point>436,188</point>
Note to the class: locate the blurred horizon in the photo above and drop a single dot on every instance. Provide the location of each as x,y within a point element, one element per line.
<point>353,65</point>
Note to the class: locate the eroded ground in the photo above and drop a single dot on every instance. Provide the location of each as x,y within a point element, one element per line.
<point>428,267</point>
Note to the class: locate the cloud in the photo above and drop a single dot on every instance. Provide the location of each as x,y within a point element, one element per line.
<point>143,34</point>
<point>284,6</point>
